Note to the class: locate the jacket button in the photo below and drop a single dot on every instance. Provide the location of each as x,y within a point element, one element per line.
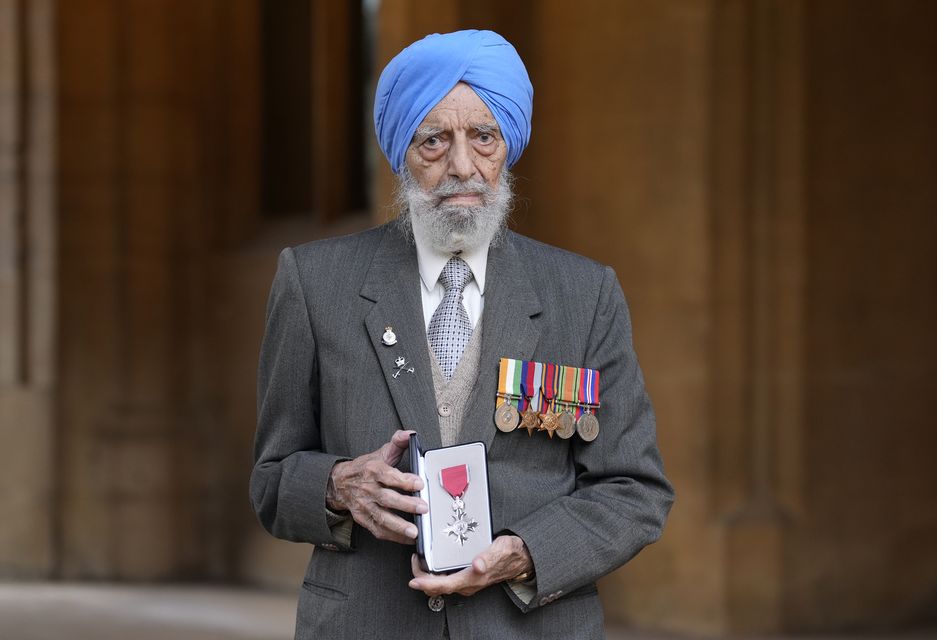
<point>445,409</point>
<point>436,603</point>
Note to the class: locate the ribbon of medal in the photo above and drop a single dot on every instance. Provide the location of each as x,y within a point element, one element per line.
<point>455,481</point>
<point>589,389</point>
<point>531,376</point>
<point>569,383</point>
<point>549,419</point>
<point>588,399</point>
<point>509,390</point>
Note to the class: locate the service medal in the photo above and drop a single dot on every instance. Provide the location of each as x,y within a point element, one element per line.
<point>530,420</point>
<point>549,422</point>
<point>509,388</point>
<point>567,386</point>
<point>506,418</point>
<point>588,426</point>
<point>531,376</point>
<point>566,422</point>
<point>548,419</point>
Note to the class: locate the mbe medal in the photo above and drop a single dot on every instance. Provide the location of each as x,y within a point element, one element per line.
<point>389,338</point>
<point>455,481</point>
<point>457,526</point>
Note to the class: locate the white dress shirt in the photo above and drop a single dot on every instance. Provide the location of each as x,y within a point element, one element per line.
<point>431,261</point>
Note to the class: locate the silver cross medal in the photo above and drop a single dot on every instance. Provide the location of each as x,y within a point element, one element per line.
<point>461,524</point>
<point>401,364</point>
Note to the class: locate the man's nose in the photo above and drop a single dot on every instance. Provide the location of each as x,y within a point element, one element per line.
<point>461,160</point>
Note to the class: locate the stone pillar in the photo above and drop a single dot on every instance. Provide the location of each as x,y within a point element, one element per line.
<point>28,285</point>
<point>157,177</point>
<point>758,281</point>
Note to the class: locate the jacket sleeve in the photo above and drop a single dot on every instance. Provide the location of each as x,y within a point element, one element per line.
<point>622,498</point>
<point>290,474</point>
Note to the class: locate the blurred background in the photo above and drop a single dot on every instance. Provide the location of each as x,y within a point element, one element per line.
<point>762,174</point>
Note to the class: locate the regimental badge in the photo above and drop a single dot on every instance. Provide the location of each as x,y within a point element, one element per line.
<point>402,365</point>
<point>389,338</point>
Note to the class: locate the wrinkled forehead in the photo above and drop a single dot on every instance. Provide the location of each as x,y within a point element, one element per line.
<point>460,108</point>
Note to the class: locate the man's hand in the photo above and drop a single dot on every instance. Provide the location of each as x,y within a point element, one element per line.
<point>369,488</point>
<point>506,558</point>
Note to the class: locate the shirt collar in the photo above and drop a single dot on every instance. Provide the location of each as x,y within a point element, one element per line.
<point>431,261</point>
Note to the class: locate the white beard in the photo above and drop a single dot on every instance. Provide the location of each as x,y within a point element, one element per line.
<point>453,228</point>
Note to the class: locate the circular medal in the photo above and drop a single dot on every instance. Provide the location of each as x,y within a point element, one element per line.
<point>389,338</point>
<point>506,417</point>
<point>567,425</point>
<point>588,427</point>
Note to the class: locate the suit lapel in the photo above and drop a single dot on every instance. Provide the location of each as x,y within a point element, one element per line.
<point>393,284</point>
<point>508,330</point>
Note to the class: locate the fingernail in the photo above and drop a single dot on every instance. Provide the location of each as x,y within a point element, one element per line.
<point>411,531</point>
<point>422,508</point>
<point>414,584</point>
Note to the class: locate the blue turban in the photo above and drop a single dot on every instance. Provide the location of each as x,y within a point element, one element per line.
<point>425,72</point>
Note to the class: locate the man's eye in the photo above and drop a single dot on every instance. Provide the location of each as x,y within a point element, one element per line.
<point>432,142</point>
<point>485,138</point>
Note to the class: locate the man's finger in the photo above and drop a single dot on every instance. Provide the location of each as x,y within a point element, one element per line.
<point>397,501</point>
<point>388,526</point>
<point>489,557</point>
<point>463,581</point>
<point>416,568</point>
<point>394,450</point>
<point>397,479</point>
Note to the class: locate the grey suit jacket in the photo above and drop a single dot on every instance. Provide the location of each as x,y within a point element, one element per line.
<point>326,393</point>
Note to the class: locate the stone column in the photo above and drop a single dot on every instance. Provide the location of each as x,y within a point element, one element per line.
<point>27,289</point>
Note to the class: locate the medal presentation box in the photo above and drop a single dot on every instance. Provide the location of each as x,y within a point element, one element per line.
<point>455,486</point>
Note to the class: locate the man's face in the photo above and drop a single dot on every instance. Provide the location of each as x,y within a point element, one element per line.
<point>455,192</point>
<point>458,142</point>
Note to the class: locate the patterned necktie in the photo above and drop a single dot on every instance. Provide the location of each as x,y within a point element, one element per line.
<point>449,328</point>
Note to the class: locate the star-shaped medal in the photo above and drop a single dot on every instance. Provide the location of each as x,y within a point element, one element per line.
<point>549,422</point>
<point>530,420</point>
<point>460,526</point>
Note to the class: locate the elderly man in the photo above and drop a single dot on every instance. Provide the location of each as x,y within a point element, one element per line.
<point>449,291</point>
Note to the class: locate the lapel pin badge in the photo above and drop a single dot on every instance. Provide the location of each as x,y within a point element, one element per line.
<point>389,338</point>
<point>401,364</point>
